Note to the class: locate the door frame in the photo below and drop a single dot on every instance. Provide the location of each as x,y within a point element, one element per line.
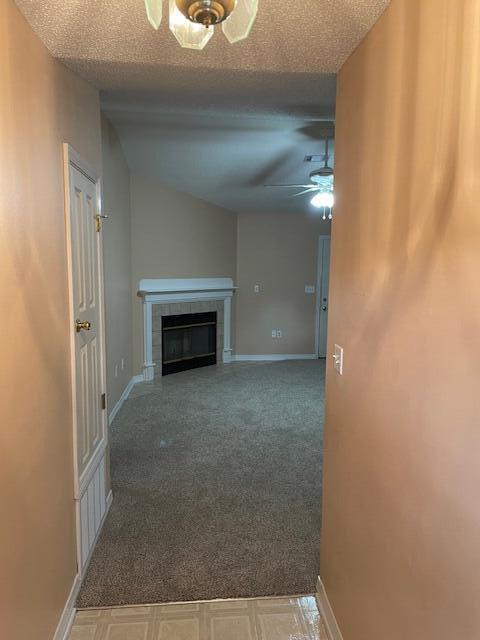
<point>72,159</point>
<point>318,299</point>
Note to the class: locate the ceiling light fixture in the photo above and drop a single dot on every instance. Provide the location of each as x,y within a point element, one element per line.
<point>321,182</point>
<point>192,22</point>
<point>324,200</point>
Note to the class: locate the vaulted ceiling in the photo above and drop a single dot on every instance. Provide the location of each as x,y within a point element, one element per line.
<point>221,122</point>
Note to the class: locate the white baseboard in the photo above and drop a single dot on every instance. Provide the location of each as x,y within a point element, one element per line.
<point>274,357</point>
<point>135,380</point>
<point>68,613</point>
<point>326,611</point>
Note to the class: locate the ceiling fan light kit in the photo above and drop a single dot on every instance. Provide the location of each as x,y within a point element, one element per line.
<point>192,22</point>
<point>324,200</point>
<point>321,186</point>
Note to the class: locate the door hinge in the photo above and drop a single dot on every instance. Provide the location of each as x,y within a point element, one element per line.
<point>104,401</point>
<point>98,221</point>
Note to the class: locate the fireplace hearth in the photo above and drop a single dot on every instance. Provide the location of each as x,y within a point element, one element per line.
<point>189,341</point>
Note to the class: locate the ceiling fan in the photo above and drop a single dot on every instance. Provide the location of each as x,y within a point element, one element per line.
<point>321,186</point>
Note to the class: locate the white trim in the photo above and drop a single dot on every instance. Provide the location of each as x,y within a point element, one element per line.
<point>320,293</point>
<point>126,392</point>
<point>326,611</point>
<point>68,614</point>
<point>171,290</point>
<point>277,357</point>
<point>176,285</point>
<point>177,602</point>
<point>227,330</point>
<point>91,510</point>
<point>108,504</point>
<point>91,468</point>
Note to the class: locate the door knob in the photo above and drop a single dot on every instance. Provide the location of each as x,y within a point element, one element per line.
<point>85,325</point>
<point>324,308</point>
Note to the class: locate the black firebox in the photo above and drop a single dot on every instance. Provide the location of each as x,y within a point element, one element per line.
<point>189,341</point>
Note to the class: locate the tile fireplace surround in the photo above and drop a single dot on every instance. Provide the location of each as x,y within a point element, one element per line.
<point>174,297</point>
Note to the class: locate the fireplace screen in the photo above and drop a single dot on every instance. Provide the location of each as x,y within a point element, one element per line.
<point>188,341</point>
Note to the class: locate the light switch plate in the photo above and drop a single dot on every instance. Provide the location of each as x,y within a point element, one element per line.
<point>274,333</point>
<point>338,359</point>
<point>256,288</point>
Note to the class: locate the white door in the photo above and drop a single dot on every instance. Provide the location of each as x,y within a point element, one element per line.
<point>88,360</point>
<point>323,277</point>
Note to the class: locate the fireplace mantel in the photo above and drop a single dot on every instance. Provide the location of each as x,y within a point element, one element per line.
<point>170,290</point>
<point>167,286</point>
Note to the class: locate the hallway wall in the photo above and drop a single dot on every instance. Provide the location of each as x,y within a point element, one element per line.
<point>400,554</point>
<point>42,105</point>
<point>279,252</point>
<point>175,235</point>
<point>117,259</point>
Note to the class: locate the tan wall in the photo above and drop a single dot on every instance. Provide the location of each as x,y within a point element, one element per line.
<point>400,545</point>
<point>176,236</point>
<point>278,251</point>
<point>117,263</point>
<point>41,105</point>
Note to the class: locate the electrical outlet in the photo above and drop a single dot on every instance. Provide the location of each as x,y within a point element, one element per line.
<point>338,359</point>
<point>309,288</point>
<point>279,333</point>
<point>256,288</point>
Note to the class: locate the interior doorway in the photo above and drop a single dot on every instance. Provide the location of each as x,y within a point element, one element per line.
<point>323,278</point>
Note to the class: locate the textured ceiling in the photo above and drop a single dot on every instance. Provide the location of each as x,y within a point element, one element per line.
<point>223,159</point>
<point>113,44</point>
<point>245,110</point>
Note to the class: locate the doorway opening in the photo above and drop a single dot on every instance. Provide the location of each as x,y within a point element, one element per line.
<point>216,451</point>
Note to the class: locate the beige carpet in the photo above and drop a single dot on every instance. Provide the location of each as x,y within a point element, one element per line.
<point>217,484</point>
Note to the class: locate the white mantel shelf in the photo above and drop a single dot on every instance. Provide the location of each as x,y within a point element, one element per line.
<point>193,285</point>
<point>170,290</point>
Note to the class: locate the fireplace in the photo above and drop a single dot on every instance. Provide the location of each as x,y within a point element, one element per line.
<point>173,297</point>
<point>189,341</point>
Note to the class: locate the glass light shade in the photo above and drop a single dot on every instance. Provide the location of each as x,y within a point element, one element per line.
<point>323,199</point>
<point>240,23</point>
<point>154,12</point>
<point>188,34</point>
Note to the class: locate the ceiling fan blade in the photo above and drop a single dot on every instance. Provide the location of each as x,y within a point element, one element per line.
<point>311,190</point>
<point>289,186</point>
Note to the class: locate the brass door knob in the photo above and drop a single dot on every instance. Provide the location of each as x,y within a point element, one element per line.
<point>85,325</point>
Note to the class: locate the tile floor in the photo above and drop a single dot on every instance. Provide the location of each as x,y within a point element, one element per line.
<point>254,619</point>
